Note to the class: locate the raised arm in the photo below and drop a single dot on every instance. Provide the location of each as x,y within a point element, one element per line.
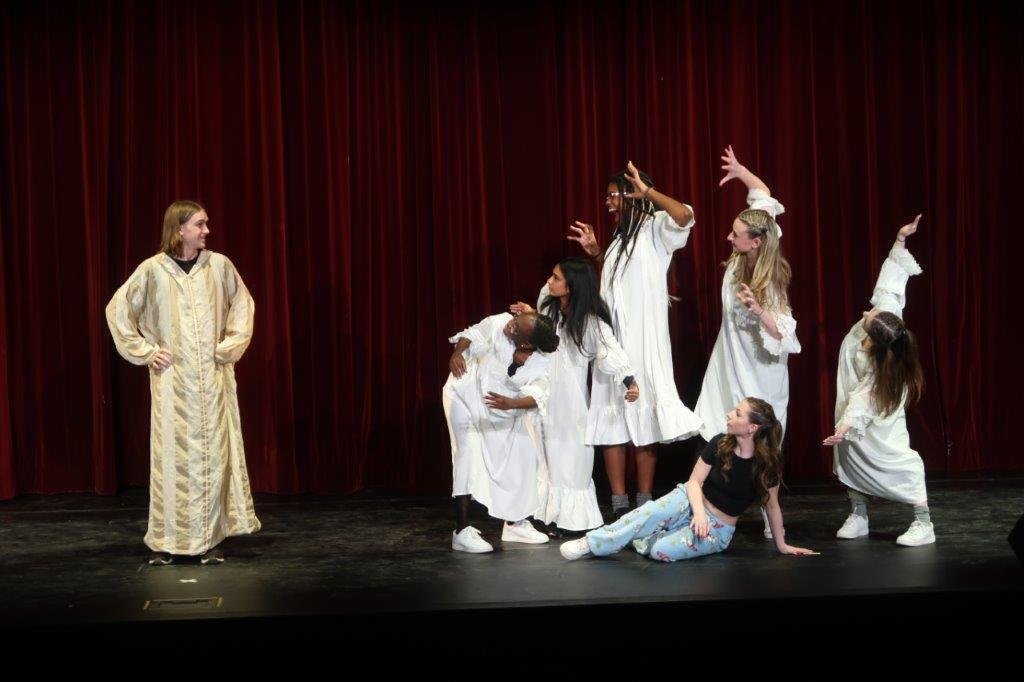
<point>677,210</point>
<point>734,169</point>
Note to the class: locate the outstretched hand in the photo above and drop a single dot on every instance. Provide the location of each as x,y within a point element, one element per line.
<point>518,308</point>
<point>731,166</point>
<point>640,188</point>
<point>799,551</point>
<point>584,234</point>
<point>837,437</point>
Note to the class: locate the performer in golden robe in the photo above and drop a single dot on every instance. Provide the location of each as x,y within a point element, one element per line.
<point>186,314</point>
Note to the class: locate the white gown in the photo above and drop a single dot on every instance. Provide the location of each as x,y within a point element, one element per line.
<point>638,298</point>
<point>746,359</point>
<point>565,484</point>
<point>495,453</point>
<point>876,457</point>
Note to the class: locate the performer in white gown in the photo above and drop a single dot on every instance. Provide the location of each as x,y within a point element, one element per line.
<point>879,375</point>
<point>650,227</point>
<point>498,384</point>
<point>758,331</point>
<point>572,299</point>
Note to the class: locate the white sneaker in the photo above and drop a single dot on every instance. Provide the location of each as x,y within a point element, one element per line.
<point>468,540</point>
<point>522,531</point>
<point>918,534</point>
<point>855,526</point>
<point>575,549</point>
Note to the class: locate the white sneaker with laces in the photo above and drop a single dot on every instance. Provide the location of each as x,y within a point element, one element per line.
<point>855,526</point>
<point>918,534</point>
<point>468,540</point>
<point>575,549</point>
<point>522,531</point>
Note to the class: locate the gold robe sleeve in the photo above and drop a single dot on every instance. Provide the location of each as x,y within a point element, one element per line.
<point>238,325</point>
<point>123,313</point>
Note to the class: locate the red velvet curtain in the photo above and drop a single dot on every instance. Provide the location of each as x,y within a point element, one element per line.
<point>383,174</point>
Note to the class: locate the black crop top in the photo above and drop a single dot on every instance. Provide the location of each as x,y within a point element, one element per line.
<point>731,497</point>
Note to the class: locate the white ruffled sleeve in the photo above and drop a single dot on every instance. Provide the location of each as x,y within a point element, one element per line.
<point>860,410</point>
<point>784,321</point>
<point>786,324</point>
<point>891,287</point>
<point>539,389</point>
<point>761,200</point>
<point>609,357</point>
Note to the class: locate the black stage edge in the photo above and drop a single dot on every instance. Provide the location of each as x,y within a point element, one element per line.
<point>377,565</point>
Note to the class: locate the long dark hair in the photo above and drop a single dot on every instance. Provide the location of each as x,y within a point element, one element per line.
<point>767,468</point>
<point>632,215</point>
<point>584,300</point>
<point>895,361</point>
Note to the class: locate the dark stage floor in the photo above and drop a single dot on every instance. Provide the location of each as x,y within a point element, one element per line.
<point>78,560</point>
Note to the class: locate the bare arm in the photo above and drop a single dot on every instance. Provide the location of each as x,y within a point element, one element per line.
<point>500,402</point>
<point>457,363</point>
<point>775,521</point>
<point>906,231</point>
<point>695,493</point>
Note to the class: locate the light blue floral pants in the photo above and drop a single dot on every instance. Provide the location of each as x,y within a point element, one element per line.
<point>660,529</point>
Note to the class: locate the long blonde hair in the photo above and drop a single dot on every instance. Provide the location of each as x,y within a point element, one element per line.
<point>176,215</point>
<point>770,279</point>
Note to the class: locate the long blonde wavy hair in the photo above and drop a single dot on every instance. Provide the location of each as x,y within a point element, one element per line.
<point>771,274</point>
